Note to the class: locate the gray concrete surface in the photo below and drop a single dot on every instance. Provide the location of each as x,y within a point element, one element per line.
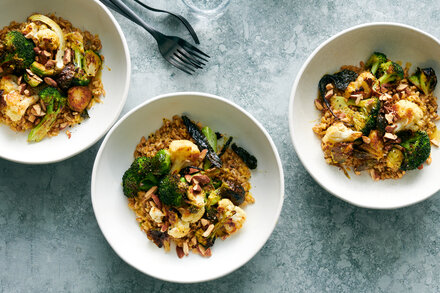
<point>49,238</point>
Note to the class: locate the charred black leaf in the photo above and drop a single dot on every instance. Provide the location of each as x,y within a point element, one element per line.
<point>225,147</point>
<point>202,142</point>
<point>247,158</point>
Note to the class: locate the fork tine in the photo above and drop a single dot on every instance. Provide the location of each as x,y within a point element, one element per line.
<point>190,57</point>
<point>190,47</point>
<point>177,63</point>
<point>188,60</point>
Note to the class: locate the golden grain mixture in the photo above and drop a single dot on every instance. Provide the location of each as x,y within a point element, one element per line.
<point>50,75</point>
<point>205,201</point>
<point>378,118</point>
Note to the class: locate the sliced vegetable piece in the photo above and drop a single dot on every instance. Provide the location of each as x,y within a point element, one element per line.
<point>247,158</point>
<point>40,70</point>
<point>202,142</point>
<point>78,97</point>
<point>32,79</point>
<point>92,63</point>
<point>56,28</point>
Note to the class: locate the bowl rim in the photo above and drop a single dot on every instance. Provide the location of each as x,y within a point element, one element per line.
<point>205,95</point>
<point>292,98</point>
<point>119,110</point>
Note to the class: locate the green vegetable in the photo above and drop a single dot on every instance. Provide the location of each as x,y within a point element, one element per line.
<point>54,104</point>
<point>92,63</point>
<point>130,183</point>
<point>19,52</point>
<point>425,79</point>
<point>40,70</point>
<point>32,79</point>
<point>416,149</point>
<point>161,163</point>
<point>170,191</point>
<point>394,159</point>
<point>375,61</point>
<point>76,42</point>
<point>211,137</point>
<point>148,181</point>
<point>389,72</point>
<point>362,116</point>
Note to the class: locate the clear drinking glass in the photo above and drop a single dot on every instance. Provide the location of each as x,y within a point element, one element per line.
<point>207,8</point>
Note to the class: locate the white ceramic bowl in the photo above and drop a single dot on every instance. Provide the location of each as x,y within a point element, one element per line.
<point>87,15</point>
<point>398,42</point>
<point>117,220</point>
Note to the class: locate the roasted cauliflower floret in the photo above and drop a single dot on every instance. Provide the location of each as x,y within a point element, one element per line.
<point>362,85</point>
<point>16,103</point>
<point>46,39</point>
<point>234,216</point>
<point>183,153</point>
<point>410,116</point>
<point>340,133</point>
<point>156,214</point>
<point>179,229</point>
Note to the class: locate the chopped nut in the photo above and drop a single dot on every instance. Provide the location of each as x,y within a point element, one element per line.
<point>401,87</point>
<point>50,81</point>
<point>318,105</point>
<point>197,189</point>
<point>390,136</point>
<point>389,117</point>
<point>329,86</point>
<point>50,64</point>
<point>203,154</point>
<point>31,118</point>
<point>329,94</point>
<point>208,231</point>
<point>373,175</point>
<point>180,252</point>
<point>200,178</point>
<point>20,79</point>
<point>164,227</point>
<point>46,54</point>
<point>435,142</point>
<point>185,248</point>
<point>193,241</point>
<point>390,128</point>
<point>37,50</point>
<point>69,134</point>
<point>63,125</point>
<point>150,192</point>
<point>37,109</point>
<point>188,178</point>
<point>157,201</point>
<point>26,92</point>
<point>204,222</point>
<point>384,97</point>
<point>67,56</point>
<point>366,139</point>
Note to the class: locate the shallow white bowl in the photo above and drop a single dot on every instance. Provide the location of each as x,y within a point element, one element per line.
<point>398,42</point>
<point>87,15</point>
<point>117,221</point>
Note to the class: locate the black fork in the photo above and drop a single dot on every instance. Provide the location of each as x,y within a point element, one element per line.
<point>175,50</point>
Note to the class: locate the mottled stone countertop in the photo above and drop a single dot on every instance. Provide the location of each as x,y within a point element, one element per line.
<point>50,241</point>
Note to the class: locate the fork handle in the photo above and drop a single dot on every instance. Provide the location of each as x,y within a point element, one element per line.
<point>157,35</point>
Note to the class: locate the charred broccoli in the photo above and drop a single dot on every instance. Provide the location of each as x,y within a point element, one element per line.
<point>375,61</point>
<point>416,149</point>
<point>362,116</point>
<point>19,53</point>
<point>425,79</point>
<point>389,72</point>
<point>170,191</point>
<point>77,44</point>
<point>130,183</point>
<point>54,102</point>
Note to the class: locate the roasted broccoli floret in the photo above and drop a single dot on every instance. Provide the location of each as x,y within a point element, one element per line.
<point>54,102</point>
<point>171,191</point>
<point>130,183</point>
<point>425,79</point>
<point>362,116</point>
<point>416,149</point>
<point>389,72</point>
<point>375,61</point>
<point>161,163</point>
<point>19,53</point>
